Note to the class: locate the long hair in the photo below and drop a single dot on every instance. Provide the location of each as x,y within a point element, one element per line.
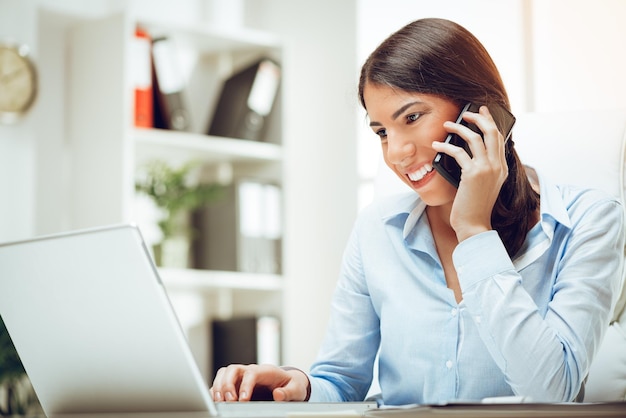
<point>442,58</point>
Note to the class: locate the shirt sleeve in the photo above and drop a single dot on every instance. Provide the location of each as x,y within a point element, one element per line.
<point>546,354</point>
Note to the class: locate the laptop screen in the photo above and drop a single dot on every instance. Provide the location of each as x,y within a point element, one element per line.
<point>94,327</point>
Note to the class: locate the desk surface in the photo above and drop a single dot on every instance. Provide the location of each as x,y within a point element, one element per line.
<point>535,410</point>
<point>611,409</point>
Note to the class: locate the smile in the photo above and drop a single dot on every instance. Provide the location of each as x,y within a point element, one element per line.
<point>421,173</point>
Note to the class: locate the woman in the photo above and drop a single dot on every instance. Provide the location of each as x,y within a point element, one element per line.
<point>496,288</point>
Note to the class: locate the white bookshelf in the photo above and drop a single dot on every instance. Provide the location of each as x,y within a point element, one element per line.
<point>106,150</point>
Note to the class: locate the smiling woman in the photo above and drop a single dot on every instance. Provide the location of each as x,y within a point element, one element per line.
<point>462,293</point>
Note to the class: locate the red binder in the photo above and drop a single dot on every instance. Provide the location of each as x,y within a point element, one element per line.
<point>142,79</point>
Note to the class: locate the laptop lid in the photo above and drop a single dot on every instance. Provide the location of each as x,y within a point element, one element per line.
<point>94,327</point>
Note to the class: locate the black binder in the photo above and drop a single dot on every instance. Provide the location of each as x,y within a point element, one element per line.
<point>242,231</point>
<point>246,340</point>
<point>170,111</point>
<point>246,101</point>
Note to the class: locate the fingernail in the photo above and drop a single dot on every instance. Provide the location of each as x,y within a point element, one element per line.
<point>218,396</point>
<point>243,395</point>
<point>229,396</point>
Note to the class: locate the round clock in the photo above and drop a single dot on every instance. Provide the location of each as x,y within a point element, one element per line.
<point>18,82</point>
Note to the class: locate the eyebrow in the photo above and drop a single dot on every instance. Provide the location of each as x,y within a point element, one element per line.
<point>397,112</point>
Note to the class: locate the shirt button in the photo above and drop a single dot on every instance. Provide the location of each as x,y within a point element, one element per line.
<point>449,364</point>
<point>453,312</point>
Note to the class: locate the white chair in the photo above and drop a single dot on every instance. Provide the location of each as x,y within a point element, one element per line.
<point>585,148</point>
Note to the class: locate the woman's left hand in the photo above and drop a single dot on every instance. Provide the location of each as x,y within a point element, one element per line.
<point>482,175</point>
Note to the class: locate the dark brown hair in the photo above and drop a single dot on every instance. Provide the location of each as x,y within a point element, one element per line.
<point>440,57</point>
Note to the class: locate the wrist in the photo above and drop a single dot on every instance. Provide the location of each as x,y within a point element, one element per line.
<point>469,231</point>
<point>308,382</point>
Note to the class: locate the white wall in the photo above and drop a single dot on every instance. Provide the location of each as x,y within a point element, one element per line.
<point>579,61</point>
<point>17,143</point>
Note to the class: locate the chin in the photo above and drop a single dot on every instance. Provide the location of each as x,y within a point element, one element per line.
<point>438,193</point>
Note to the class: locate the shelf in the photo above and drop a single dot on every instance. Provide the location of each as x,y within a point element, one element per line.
<point>184,146</point>
<point>213,40</point>
<point>210,281</point>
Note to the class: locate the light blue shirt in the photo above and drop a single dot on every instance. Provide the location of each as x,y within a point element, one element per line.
<point>528,326</point>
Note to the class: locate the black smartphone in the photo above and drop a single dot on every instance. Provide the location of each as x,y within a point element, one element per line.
<point>446,165</point>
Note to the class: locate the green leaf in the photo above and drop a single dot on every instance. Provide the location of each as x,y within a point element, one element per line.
<point>174,190</point>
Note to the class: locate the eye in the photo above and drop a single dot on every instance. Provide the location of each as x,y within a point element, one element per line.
<point>413,117</point>
<point>382,133</point>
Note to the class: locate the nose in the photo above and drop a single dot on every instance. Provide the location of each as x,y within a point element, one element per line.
<point>399,148</point>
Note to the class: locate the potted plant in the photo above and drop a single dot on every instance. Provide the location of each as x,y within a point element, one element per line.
<point>176,192</point>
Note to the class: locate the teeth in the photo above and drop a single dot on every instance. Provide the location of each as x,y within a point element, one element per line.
<point>419,174</point>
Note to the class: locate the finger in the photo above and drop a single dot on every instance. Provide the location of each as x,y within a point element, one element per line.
<point>248,382</point>
<point>492,137</point>
<point>280,395</point>
<point>472,138</point>
<point>216,389</point>
<point>459,154</point>
<point>491,156</point>
<point>229,381</point>
<point>291,391</point>
<point>496,142</point>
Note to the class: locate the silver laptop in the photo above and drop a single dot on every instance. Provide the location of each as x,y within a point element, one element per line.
<point>96,332</point>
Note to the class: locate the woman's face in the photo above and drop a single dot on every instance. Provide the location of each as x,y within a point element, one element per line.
<point>407,124</point>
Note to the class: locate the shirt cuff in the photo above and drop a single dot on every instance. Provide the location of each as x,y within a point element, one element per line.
<point>480,257</point>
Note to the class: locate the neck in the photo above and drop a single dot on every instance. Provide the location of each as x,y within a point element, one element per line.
<point>439,215</point>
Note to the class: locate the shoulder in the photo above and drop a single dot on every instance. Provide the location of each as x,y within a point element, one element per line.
<point>395,212</point>
<point>581,200</point>
<point>568,204</point>
<point>591,211</point>
<point>390,206</point>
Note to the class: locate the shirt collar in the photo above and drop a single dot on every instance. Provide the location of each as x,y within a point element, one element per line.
<point>407,207</point>
<point>552,206</point>
<point>553,212</point>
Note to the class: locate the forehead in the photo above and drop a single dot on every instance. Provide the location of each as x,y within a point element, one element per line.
<point>383,100</point>
<point>373,93</point>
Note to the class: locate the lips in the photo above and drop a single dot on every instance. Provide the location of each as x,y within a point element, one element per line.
<point>420,173</point>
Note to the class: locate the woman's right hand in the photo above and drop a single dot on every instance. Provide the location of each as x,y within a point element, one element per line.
<point>482,174</point>
<point>238,382</point>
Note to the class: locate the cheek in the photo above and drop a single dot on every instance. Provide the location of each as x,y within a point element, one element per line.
<point>387,162</point>
<point>437,132</point>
